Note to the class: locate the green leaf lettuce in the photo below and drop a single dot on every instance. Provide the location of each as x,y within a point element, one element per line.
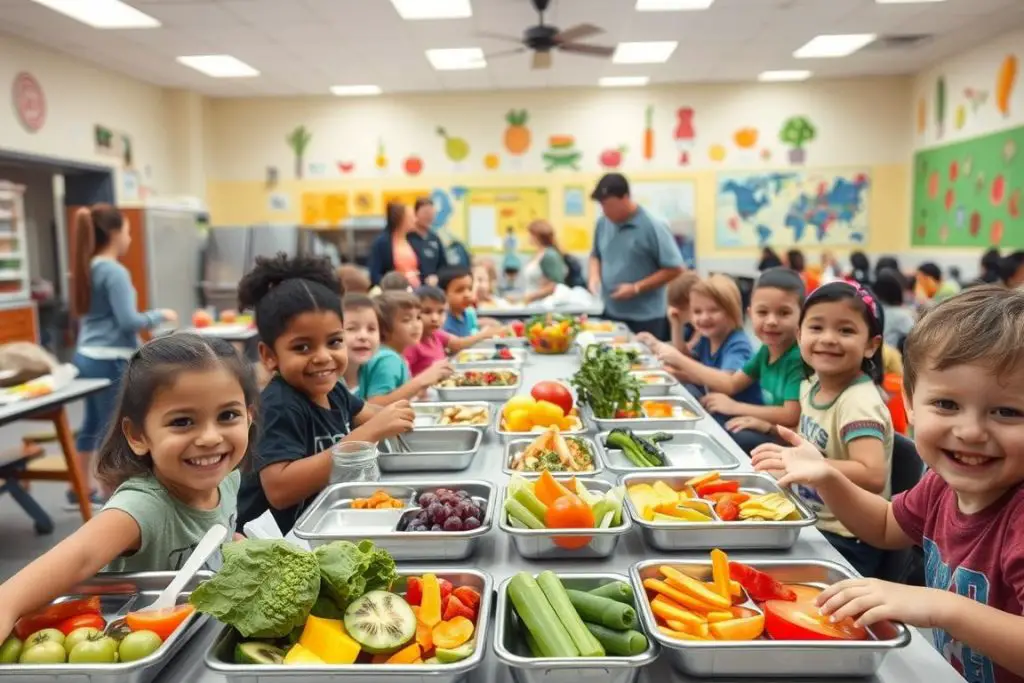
<point>349,571</point>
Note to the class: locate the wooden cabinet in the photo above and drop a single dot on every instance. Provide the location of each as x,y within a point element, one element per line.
<point>19,323</point>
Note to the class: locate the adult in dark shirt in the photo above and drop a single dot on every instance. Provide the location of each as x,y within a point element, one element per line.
<point>429,249</point>
<point>392,249</point>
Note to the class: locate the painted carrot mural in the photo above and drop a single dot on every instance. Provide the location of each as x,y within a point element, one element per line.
<point>649,133</point>
<point>1005,82</point>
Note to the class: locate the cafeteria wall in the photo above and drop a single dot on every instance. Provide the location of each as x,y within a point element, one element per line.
<point>79,97</point>
<point>387,143</point>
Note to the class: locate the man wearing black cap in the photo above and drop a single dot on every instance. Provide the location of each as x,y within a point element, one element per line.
<point>633,259</point>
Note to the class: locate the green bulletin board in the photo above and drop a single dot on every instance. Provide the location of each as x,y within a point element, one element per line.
<point>969,194</point>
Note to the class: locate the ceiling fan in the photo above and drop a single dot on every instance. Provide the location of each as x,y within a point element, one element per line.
<point>542,39</point>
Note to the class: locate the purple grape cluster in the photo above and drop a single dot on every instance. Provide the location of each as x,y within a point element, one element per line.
<point>446,510</point>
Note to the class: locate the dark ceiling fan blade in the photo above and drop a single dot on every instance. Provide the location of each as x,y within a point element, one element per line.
<point>577,32</point>
<point>498,36</point>
<point>584,49</point>
<point>506,53</point>
<point>542,59</point>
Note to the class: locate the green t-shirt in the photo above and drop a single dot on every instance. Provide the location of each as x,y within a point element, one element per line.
<point>780,381</point>
<point>552,266</point>
<point>170,529</point>
<point>382,374</point>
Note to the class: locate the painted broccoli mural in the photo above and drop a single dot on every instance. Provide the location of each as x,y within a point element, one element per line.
<point>796,132</point>
<point>299,140</point>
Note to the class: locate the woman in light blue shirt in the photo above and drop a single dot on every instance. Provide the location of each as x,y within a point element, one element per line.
<point>105,303</point>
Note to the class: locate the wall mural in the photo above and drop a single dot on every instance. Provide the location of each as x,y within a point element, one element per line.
<point>611,159</point>
<point>455,148</point>
<point>797,132</point>
<point>298,141</point>
<point>517,136</point>
<point>648,134</point>
<point>685,134</point>
<point>1005,82</point>
<point>562,153</point>
<point>940,106</point>
<point>381,160</point>
<point>412,165</point>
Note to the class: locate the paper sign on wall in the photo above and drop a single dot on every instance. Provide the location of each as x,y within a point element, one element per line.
<point>324,208</point>
<point>407,197</point>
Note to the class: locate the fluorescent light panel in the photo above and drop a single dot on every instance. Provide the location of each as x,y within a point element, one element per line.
<point>905,2</point>
<point>355,90</point>
<point>219,66</point>
<point>106,14</point>
<point>837,45</point>
<point>672,5</point>
<point>646,52</point>
<point>457,59</point>
<point>412,10</point>
<point>623,81</point>
<point>783,75</point>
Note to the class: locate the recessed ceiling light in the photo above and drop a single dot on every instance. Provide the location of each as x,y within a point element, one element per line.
<point>838,45</point>
<point>904,2</point>
<point>102,13</point>
<point>623,81</point>
<point>219,66</point>
<point>432,9</point>
<point>355,90</point>
<point>671,5</point>
<point>647,52</point>
<point>457,59</point>
<point>784,75</point>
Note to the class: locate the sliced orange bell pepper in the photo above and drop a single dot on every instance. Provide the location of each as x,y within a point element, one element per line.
<point>683,600</point>
<point>430,604</point>
<point>748,628</point>
<point>695,588</point>
<point>700,630</point>
<point>720,573</point>
<point>407,655</point>
<point>679,635</point>
<point>671,612</point>
<point>703,479</point>
<point>453,633</point>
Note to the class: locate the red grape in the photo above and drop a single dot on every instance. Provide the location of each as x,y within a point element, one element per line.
<point>470,524</point>
<point>453,523</point>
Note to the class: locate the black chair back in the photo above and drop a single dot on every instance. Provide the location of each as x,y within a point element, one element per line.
<point>904,566</point>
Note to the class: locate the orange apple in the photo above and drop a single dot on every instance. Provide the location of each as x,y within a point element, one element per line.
<point>201,319</point>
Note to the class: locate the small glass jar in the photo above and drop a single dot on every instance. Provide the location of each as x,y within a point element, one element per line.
<point>354,461</point>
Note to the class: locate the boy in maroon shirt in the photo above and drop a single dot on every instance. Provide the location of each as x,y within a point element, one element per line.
<point>964,384</point>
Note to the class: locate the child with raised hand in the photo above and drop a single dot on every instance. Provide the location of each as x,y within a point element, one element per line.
<point>776,367</point>
<point>843,415</point>
<point>435,344</point>
<point>963,377</point>
<point>304,410</point>
<point>723,346</point>
<point>386,377</point>
<point>182,425</point>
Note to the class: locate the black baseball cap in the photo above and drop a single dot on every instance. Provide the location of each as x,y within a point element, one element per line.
<point>611,185</point>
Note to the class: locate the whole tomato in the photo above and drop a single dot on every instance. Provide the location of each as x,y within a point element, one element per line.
<point>82,621</point>
<point>553,392</point>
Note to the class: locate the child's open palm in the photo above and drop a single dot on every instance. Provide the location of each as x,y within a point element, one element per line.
<point>869,601</point>
<point>802,463</point>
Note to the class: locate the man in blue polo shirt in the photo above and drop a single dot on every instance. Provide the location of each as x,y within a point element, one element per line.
<point>425,242</point>
<point>633,259</point>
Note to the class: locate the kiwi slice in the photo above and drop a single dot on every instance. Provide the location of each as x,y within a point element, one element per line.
<point>255,652</point>
<point>381,622</point>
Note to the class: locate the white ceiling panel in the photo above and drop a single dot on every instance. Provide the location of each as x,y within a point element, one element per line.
<point>304,46</point>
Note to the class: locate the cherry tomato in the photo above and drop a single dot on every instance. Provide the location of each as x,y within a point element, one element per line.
<point>51,615</point>
<point>82,621</point>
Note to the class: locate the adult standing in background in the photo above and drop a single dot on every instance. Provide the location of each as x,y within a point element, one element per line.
<point>105,303</point>
<point>633,259</point>
<point>547,269</point>
<point>392,250</point>
<point>425,242</point>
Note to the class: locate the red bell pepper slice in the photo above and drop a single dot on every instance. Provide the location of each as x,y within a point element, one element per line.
<point>759,586</point>
<point>51,615</point>
<point>718,487</point>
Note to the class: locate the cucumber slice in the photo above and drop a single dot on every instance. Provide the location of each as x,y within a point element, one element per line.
<point>381,622</point>
<point>455,654</point>
<point>256,652</point>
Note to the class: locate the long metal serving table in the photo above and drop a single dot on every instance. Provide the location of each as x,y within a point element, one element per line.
<point>917,662</point>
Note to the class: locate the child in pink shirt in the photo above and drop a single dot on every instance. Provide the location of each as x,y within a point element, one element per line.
<point>436,344</point>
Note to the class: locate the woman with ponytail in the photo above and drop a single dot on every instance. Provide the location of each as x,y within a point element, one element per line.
<point>106,308</point>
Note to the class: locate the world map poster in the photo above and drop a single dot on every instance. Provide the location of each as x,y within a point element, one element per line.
<point>792,208</point>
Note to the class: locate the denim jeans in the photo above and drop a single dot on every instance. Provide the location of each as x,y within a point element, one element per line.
<point>100,406</point>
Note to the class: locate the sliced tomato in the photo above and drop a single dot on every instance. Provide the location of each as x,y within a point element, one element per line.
<point>800,620</point>
<point>82,621</point>
<point>759,586</point>
<point>162,622</point>
<point>50,616</point>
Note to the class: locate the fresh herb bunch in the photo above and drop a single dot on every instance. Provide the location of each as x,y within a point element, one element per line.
<point>603,382</point>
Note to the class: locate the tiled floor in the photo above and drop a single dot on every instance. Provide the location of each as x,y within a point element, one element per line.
<point>18,538</point>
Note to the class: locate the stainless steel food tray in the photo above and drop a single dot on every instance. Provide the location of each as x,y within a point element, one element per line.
<point>505,436</point>
<point>689,450</point>
<point>220,658</point>
<point>770,658</point>
<point>735,535</point>
<point>619,330</point>
<point>462,394</point>
<point>511,650</point>
<point>663,388</point>
<point>517,361</point>
<point>119,593</point>
<point>511,342</point>
<point>451,449</point>
<point>516,446</point>
<point>658,423</point>
<point>428,414</point>
<point>331,518</point>
<point>539,544</point>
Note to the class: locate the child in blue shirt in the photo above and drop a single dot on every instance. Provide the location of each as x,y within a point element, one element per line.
<point>457,283</point>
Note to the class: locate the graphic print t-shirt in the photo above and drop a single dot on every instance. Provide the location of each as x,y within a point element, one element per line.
<point>170,530</point>
<point>291,428</point>
<point>858,412</point>
<point>978,556</point>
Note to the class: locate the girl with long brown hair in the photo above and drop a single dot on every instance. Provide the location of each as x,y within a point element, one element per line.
<point>547,269</point>
<point>105,303</point>
<point>392,250</point>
